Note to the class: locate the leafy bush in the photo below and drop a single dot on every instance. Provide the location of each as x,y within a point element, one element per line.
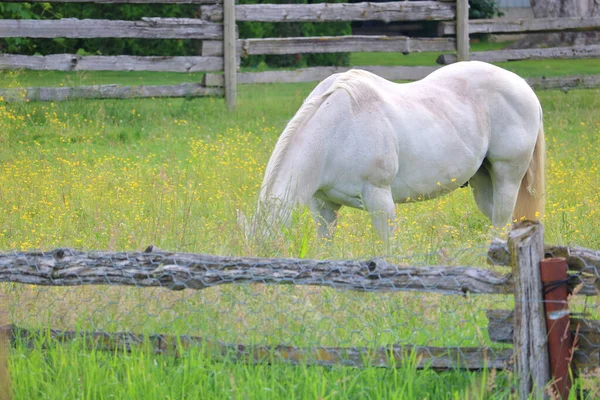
<point>483,9</point>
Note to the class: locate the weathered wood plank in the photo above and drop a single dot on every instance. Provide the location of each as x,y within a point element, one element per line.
<point>314,74</point>
<point>147,28</point>
<point>462,30</point>
<point>587,332</point>
<point>177,271</point>
<point>500,329</point>
<point>330,44</point>
<point>328,12</point>
<point>523,25</point>
<point>440,358</point>
<point>582,260</point>
<point>578,258</point>
<point>526,248</point>
<point>73,62</point>
<point>572,52</point>
<point>565,83</point>
<point>229,49</point>
<point>106,92</point>
<point>121,1</point>
<point>340,44</point>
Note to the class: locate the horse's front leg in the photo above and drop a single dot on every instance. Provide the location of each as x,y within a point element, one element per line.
<point>325,215</point>
<point>378,201</point>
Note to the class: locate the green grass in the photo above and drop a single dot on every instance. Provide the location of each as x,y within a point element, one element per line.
<point>413,59</point>
<point>120,175</point>
<point>143,375</point>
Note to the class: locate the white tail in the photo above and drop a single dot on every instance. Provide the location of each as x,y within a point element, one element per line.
<point>532,193</point>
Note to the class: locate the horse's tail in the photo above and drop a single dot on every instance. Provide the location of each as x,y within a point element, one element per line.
<point>532,194</point>
<point>278,195</point>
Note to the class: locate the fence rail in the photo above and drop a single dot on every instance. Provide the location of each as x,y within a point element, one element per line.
<point>319,73</point>
<point>339,44</point>
<point>330,12</point>
<point>147,28</point>
<point>571,52</point>
<point>74,62</point>
<point>107,92</point>
<point>437,358</point>
<point>122,1</point>
<point>177,271</point>
<point>523,25</point>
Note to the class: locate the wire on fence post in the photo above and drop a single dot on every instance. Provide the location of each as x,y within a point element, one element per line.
<point>560,340</point>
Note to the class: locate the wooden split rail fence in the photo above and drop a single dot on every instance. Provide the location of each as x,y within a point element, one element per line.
<point>221,48</point>
<point>528,326</point>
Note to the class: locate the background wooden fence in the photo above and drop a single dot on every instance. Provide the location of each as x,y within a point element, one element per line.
<point>221,49</point>
<point>530,326</point>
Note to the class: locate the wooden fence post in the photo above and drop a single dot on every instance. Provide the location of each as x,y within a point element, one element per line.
<point>229,48</point>
<point>526,248</point>
<point>560,340</point>
<point>462,30</point>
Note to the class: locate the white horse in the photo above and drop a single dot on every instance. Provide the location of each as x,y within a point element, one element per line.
<point>365,142</point>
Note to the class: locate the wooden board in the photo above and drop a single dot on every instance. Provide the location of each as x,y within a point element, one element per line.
<point>178,271</point>
<point>147,28</point>
<point>572,52</point>
<point>121,1</point>
<point>585,262</point>
<point>106,92</point>
<point>319,73</point>
<point>523,25</point>
<point>565,83</point>
<point>393,356</point>
<point>328,12</point>
<point>340,44</point>
<point>532,365</point>
<point>73,62</point>
<point>331,44</point>
<point>586,332</point>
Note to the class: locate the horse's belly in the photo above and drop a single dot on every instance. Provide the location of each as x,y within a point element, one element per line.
<point>423,183</point>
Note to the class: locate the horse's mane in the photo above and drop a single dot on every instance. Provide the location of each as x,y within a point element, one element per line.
<point>352,81</point>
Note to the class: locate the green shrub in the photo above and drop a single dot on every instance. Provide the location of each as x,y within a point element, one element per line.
<point>483,9</point>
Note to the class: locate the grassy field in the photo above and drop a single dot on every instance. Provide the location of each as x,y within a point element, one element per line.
<point>120,175</point>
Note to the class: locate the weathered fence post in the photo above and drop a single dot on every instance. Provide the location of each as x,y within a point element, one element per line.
<point>462,30</point>
<point>229,49</point>
<point>560,340</point>
<point>526,248</point>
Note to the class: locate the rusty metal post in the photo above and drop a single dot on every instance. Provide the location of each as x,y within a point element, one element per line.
<point>560,340</point>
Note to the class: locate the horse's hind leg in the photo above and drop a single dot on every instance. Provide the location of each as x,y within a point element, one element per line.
<point>506,180</point>
<point>378,201</point>
<point>483,191</point>
<point>325,215</point>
